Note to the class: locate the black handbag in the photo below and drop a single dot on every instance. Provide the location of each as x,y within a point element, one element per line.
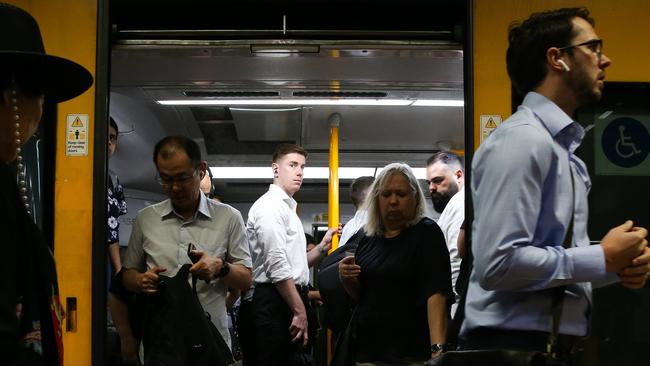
<point>507,357</point>
<point>345,348</point>
<point>337,305</point>
<point>496,357</point>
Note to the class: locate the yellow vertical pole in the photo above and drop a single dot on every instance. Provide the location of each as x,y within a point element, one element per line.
<point>333,199</point>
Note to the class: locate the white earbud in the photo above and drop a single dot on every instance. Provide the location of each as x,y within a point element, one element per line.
<point>564,65</point>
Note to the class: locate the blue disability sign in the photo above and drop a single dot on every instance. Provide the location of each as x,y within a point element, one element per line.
<point>626,142</point>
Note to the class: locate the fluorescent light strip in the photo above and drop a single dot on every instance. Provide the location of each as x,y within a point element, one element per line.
<point>307,102</point>
<point>265,109</point>
<point>310,172</point>
<point>438,103</point>
<point>391,102</point>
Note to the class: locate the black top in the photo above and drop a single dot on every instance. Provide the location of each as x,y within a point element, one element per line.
<point>30,311</point>
<point>397,277</point>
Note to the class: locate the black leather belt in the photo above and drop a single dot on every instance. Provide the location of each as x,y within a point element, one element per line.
<point>492,338</point>
<point>302,289</point>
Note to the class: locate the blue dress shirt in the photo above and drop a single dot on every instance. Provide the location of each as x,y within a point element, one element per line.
<point>523,201</point>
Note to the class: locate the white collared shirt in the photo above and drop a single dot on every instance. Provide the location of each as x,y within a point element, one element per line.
<point>450,221</point>
<point>352,226</point>
<point>277,239</point>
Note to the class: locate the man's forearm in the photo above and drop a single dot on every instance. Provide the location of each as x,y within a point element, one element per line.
<point>130,280</point>
<point>315,255</point>
<point>287,290</point>
<point>239,278</point>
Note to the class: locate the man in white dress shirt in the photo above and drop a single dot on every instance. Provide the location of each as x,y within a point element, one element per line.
<point>446,179</point>
<point>358,194</point>
<point>281,311</point>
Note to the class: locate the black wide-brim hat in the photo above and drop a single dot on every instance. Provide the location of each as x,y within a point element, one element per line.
<point>21,47</point>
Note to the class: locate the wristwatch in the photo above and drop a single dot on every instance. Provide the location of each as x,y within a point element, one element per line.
<point>437,347</point>
<point>225,269</point>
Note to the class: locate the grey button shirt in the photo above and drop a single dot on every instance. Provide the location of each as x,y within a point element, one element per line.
<point>160,237</point>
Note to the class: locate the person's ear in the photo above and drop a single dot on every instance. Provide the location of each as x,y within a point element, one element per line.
<point>275,167</point>
<point>555,61</point>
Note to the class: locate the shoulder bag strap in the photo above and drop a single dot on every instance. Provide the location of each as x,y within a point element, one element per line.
<point>558,292</point>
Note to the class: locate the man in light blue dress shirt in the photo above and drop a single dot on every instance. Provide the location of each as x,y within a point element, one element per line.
<point>524,198</point>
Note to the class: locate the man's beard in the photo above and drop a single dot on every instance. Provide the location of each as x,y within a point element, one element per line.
<point>441,200</point>
<point>585,89</point>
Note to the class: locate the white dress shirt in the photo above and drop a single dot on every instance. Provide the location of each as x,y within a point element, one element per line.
<point>352,226</point>
<point>277,239</point>
<point>450,221</point>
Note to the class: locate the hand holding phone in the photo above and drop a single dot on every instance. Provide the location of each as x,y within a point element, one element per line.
<point>191,252</point>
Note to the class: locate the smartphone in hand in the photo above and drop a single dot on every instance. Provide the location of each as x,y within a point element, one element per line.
<point>190,253</point>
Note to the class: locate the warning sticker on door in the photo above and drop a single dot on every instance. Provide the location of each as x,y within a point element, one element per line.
<point>488,124</point>
<point>76,136</point>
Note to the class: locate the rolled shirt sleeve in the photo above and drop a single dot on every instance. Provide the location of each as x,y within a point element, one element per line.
<point>134,258</point>
<point>271,235</point>
<point>238,248</point>
<point>277,239</point>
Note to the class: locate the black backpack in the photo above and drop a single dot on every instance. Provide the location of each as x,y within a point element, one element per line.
<point>337,305</point>
<point>177,331</point>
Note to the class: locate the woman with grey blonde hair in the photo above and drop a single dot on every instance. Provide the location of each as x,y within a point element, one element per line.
<point>374,224</point>
<point>400,277</point>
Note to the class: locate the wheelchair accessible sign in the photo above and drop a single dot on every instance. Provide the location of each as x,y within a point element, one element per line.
<point>623,146</point>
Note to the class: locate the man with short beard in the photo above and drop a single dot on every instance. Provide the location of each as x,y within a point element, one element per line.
<point>529,191</point>
<point>446,178</point>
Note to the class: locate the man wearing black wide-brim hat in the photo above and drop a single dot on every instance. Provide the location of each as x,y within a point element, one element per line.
<point>30,312</point>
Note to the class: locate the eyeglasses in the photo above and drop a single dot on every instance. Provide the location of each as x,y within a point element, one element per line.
<point>179,180</point>
<point>594,45</point>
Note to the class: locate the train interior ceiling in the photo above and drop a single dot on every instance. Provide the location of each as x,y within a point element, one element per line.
<point>240,93</point>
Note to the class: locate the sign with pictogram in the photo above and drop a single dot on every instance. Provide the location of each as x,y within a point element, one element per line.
<point>76,135</point>
<point>622,145</point>
<point>488,124</point>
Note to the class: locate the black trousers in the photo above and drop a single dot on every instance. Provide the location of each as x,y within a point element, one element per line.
<point>247,333</point>
<point>272,317</point>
